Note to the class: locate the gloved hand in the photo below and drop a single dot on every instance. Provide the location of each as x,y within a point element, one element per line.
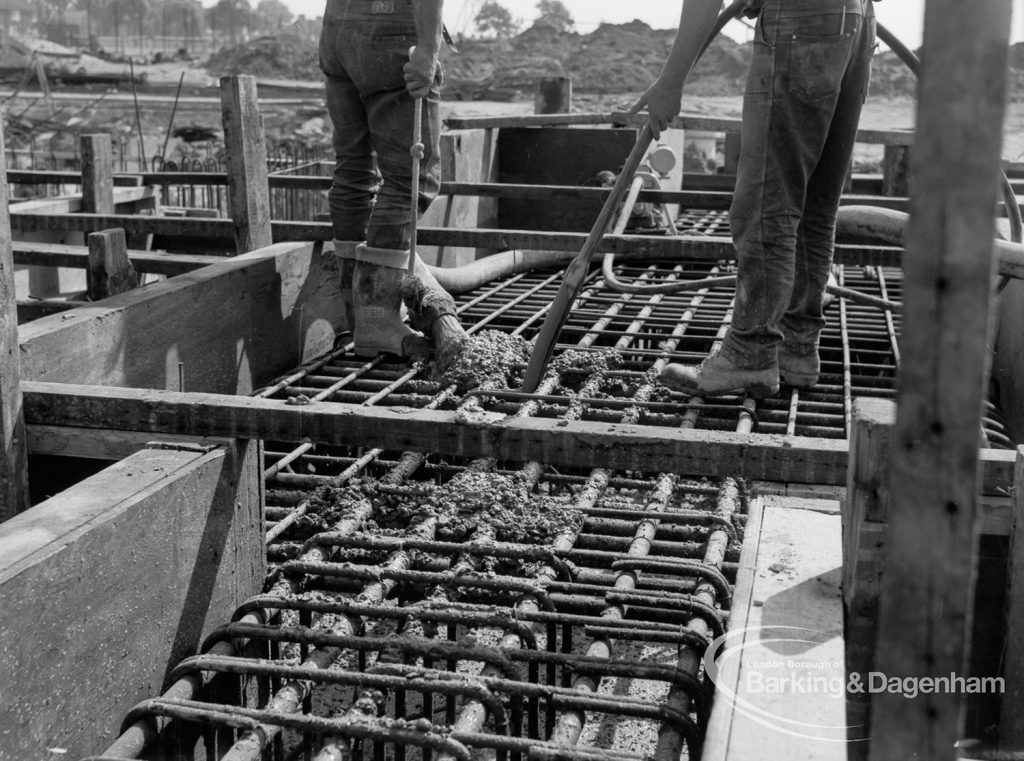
<point>420,71</point>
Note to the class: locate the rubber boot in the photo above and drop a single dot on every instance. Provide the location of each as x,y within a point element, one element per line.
<point>432,310</point>
<point>377,295</point>
<point>345,251</point>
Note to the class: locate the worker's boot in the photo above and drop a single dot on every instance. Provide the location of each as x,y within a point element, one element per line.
<point>717,376</point>
<point>432,310</point>
<point>799,370</point>
<point>345,252</point>
<point>377,297</point>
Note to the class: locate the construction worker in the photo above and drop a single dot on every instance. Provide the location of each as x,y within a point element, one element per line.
<point>378,57</point>
<point>807,82</point>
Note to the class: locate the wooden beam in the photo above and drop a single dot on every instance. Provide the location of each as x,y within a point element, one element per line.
<point>716,200</point>
<point>865,516</point>
<point>232,324</point>
<point>61,255</point>
<point>1011,725</point>
<point>577,444</point>
<point>896,170</point>
<point>621,119</point>
<point>33,309</point>
<point>109,584</point>
<point>701,248</point>
<point>14,495</point>
<point>927,592</point>
<point>97,174</point>
<point>73,204</point>
<point>109,272</point>
<point>248,191</point>
<point>100,444</point>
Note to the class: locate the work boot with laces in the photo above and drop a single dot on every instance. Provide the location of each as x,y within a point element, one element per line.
<point>377,297</point>
<point>717,376</point>
<point>799,370</point>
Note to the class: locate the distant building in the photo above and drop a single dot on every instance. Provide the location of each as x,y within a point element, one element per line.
<point>19,16</point>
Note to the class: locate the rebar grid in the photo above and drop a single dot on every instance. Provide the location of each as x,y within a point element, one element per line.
<point>859,353</point>
<point>393,632</point>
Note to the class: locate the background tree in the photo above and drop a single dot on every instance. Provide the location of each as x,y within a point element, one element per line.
<point>181,18</point>
<point>495,17</point>
<point>271,16</point>
<point>231,16</point>
<point>553,13</point>
<point>51,19</point>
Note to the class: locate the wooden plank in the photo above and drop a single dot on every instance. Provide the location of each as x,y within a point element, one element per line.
<point>582,444</point>
<point>723,713</point>
<point>695,247</point>
<point>927,593</point>
<point>1011,725</point>
<point>14,495</point>
<point>33,309</point>
<point>99,444</point>
<point>864,519</point>
<point>109,272</point>
<point>248,191</point>
<point>60,255</point>
<point>97,174</point>
<point>73,204</point>
<point>108,585</point>
<point>704,248</point>
<point>896,170</point>
<point>698,122</point>
<point>233,325</point>
<point>579,444</point>
<point>786,698</point>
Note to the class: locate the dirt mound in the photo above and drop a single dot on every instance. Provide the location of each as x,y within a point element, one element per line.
<point>626,58</point>
<point>280,57</point>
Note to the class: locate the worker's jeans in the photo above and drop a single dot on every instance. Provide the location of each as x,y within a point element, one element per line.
<point>363,47</point>
<point>808,80</point>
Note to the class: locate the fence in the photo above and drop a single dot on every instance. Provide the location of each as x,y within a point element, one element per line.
<point>283,158</point>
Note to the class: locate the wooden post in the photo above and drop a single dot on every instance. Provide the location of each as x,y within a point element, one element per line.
<point>931,546</point>
<point>110,272</point>
<point>14,457</point>
<point>732,152</point>
<point>553,96</point>
<point>865,514</point>
<point>1011,724</point>
<point>896,170</point>
<point>97,174</point>
<point>248,191</point>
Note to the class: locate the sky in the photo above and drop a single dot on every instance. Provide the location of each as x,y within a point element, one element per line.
<point>903,17</point>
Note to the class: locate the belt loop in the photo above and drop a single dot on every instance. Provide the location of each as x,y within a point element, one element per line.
<point>842,29</point>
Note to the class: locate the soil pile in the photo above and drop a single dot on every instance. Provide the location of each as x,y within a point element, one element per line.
<point>281,57</point>
<point>626,58</point>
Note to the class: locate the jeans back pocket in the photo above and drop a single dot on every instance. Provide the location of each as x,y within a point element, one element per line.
<point>819,53</point>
